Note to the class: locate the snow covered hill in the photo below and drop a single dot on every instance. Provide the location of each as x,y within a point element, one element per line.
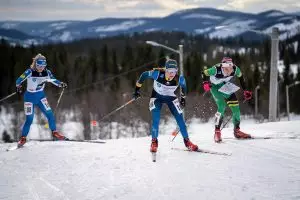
<point>192,21</point>
<point>122,169</point>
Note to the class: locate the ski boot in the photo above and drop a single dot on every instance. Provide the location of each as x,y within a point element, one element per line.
<point>240,135</point>
<point>22,141</point>
<point>57,136</point>
<point>217,136</point>
<point>190,145</point>
<point>154,145</point>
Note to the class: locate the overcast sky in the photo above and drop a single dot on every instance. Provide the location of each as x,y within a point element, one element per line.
<point>39,10</point>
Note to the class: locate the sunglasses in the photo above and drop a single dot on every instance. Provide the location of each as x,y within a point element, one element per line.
<point>41,64</point>
<point>171,71</point>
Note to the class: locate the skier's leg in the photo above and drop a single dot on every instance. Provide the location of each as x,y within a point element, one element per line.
<point>46,109</point>
<point>219,99</point>
<point>176,111</point>
<point>29,101</point>
<point>236,117</point>
<point>233,104</point>
<point>221,104</point>
<point>29,112</point>
<point>155,107</point>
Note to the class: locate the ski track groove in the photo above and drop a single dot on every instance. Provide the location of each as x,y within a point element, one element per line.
<point>266,150</point>
<point>53,187</point>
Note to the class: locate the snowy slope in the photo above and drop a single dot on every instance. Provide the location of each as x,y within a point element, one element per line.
<point>122,169</point>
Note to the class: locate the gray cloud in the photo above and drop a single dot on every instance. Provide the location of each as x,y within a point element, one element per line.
<point>38,10</point>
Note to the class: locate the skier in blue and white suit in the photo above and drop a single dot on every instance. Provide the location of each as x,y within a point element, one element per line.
<point>166,82</point>
<point>36,77</point>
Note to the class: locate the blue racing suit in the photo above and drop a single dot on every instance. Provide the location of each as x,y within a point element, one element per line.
<point>35,95</point>
<point>164,93</point>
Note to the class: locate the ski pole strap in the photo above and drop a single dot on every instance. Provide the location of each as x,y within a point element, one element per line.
<point>8,96</point>
<point>119,108</point>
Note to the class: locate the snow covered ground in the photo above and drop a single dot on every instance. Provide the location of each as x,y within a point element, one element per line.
<point>122,169</point>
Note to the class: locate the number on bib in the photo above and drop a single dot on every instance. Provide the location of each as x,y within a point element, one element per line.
<point>177,106</point>
<point>28,108</point>
<point>45,104</point>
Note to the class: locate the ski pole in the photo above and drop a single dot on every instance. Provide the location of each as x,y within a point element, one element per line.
<point>226,122</point>
<point>59,98</point>
<point>8,96</point>
<point>119,108</point>
<point>176,131</point>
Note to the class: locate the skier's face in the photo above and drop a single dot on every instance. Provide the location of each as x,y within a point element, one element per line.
<point>227,68</point>
<point>171,73</point>
<point>40,64</point>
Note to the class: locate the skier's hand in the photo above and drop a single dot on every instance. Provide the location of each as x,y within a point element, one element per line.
<point>19,89</point>
<point>247,95</point>
<point>206,86</point>
<point>136,94</point>
<point>182,101</point>
<point>63,85</point>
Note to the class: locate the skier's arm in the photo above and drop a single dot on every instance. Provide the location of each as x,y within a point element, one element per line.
<point>208,72</point>
<point>54,81</point>
<point>247,93</point>
<point>23,77</point>
<point>182,84</point>
<point>239,74</point>
<point>153,74</point>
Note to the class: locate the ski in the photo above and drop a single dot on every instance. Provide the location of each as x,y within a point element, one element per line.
<point>15,147</point>
<point>205,151</point>
<point>153,156</point>
<point>263,138</point>
<point>69,140</point>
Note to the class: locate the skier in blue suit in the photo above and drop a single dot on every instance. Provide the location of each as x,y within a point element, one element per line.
<point>36,77</point>
<point>166,82</point>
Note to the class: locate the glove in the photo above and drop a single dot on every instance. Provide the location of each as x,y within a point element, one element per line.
<point>63,85</point>
<point>19,89</point>
<point>206,86</point>
<point>182,101</point>
<point>247,94</point>
<point>136,94</point>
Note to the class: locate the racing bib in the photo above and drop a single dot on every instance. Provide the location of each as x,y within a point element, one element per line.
<point>28,108</point>
<point>177,106</point>
<point>45,104</point>
<point>164,89</point>
<point>229,88</point>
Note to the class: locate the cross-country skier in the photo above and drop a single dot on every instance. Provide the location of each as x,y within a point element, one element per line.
<point>224,92</point>
<point>166,82</point>
<point>36,76</point>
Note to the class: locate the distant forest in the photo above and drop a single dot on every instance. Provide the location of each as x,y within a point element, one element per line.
<point>101,74</point>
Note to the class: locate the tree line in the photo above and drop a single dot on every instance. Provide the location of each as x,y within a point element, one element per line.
<point>101,74</point>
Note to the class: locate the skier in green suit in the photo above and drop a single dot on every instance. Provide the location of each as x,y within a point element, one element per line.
<point>217,81</point>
